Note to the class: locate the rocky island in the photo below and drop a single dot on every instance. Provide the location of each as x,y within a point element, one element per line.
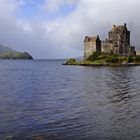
<point>8,53</point>
<point>116,50</point>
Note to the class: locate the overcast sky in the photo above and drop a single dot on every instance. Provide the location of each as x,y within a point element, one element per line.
<point>56,28</point>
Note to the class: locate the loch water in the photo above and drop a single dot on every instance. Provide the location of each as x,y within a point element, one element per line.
<point>44,100</point>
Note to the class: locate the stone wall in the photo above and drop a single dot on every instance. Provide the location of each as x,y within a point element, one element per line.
<point>89,48</point>
<point>120,34</point>
<point>91,44</point>
<point>106,47</point>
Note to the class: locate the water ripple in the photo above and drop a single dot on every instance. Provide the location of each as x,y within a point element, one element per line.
<point>43,99</point>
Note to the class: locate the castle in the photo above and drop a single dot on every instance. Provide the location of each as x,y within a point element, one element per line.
<point>118,42</point>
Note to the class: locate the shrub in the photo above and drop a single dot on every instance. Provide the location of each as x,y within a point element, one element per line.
<point>86,62</point>
<point>130,59</point>
<point>102,57</point>
<point>112,59</point>
<point>137,58</point>
<point>114,55</point>
<point>94,56</point>
<point>71,61</point>
<point>122,59</point>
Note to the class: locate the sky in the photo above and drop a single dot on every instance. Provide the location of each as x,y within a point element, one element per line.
<point>55,29</point>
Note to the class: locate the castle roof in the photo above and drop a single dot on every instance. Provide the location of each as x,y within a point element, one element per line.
<point>119,28</point>
<point>90,39</point>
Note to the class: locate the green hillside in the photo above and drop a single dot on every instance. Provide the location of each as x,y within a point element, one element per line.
<point>8,53</point>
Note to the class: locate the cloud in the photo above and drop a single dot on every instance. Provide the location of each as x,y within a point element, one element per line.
<point>63,36</point>
<point>55,5</point>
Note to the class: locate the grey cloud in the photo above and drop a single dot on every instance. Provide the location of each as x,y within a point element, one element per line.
<point>63,37</point>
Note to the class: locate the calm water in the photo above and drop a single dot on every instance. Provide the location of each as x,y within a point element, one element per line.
<point>43,100</point>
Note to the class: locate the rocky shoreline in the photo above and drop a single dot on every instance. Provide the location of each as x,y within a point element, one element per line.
<point>111,61</point>
<point>100,65</point>
<point>104,65</point>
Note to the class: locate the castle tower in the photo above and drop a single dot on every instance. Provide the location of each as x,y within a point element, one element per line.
<point>91,44</point>
<point>120,36</point>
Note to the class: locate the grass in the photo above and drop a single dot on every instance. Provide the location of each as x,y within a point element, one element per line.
<point>111,60</point>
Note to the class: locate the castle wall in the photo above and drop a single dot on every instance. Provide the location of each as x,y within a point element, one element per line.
<point>106,47</point>
<point>89,48</point>
<point>98,45</point>
<point>112,36</point>
<point>132,51</point>
<point>120,34</point>
<point>127,50</point>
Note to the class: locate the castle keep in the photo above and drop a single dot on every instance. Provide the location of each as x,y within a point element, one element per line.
<point>118,42</point>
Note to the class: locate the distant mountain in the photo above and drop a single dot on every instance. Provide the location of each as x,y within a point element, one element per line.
<point>8,53</point>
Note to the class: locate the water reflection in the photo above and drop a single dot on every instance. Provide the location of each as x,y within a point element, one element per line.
<point>109,95</point>
<point>120,82</point>
<point>122,90</point>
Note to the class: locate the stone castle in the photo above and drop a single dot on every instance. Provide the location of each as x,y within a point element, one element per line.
<point>118,42</point>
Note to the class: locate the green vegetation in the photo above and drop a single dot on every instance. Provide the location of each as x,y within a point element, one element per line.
<point>15,55</point>
<point>130,59</point>
<point>71,61</point>
<point>112,59</point>
<point>137,59</point>
<point>94,56</point>
<point>8,53</point>
<point>97,59</point>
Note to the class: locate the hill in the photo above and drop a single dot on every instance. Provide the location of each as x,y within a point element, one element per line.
<point>6,49</point>
<point>8,53</point>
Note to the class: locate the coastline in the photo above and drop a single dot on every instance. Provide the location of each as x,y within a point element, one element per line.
<point>106,60</point>
<point>105,65</point>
